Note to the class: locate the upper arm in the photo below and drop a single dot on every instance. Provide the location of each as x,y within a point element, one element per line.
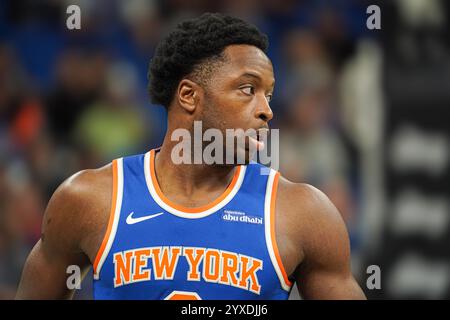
<point>325,272</point>
<point>44,275</point>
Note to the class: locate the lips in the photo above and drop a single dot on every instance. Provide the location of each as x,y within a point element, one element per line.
<point>263,133</point>
<point>254,138</point>
<point>259,138</point>
<point>258,144</point>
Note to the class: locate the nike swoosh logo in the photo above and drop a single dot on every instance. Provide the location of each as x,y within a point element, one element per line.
<point>131,220</point>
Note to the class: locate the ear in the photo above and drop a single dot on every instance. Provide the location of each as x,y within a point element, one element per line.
<point>188,95</point>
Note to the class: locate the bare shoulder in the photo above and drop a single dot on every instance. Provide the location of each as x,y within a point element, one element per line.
<point>313,202</point>
<point>318,231</point>
<point>84,186</point>
<point>78,210</point>
<point>72,226</point>
<point>310,218</point>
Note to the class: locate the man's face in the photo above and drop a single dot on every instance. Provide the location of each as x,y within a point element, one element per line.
<point>238,94</point>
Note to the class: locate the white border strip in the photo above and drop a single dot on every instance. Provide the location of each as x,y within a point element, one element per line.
<point>267,226</point>
<point>112,235</point>
<point>188,215</point>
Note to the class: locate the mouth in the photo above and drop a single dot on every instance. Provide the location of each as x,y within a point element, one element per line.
<point>262,133</point>
<point>259,139</point>
<point>258,144</point>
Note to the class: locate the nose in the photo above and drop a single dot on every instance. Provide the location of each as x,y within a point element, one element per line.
<point>263,110</point>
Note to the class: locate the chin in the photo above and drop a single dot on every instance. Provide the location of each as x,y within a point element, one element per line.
<point>243,156</point>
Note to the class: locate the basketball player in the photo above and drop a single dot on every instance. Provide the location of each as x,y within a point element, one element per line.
<point>152,229</point>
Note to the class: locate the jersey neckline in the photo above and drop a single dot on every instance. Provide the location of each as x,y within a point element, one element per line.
<point>188,212</point>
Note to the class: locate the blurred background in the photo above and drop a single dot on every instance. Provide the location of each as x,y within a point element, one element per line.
<point>363,115</point>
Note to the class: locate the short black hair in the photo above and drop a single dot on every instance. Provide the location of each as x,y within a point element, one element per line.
<point>193,45</point>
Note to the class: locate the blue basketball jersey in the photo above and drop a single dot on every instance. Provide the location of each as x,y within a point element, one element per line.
<point>156,249</point>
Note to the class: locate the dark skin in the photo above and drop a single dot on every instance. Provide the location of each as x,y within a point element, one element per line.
<point>310,233</point>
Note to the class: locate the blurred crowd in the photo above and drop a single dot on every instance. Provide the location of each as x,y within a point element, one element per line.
<point>71,100</point>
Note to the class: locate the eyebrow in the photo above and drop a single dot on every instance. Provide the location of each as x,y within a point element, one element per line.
<point>255,76</point>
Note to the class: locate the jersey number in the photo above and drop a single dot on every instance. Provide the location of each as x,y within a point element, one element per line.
<point>183,295</point>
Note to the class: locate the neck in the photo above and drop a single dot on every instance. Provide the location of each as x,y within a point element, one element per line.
<point>191,183</point>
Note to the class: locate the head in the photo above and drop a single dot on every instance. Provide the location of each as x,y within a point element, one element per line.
<point>213,69</point>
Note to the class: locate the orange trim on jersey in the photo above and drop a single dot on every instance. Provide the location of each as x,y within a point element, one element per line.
<point>111,217</point>
<point>272,229</point>
<point>183,208</point>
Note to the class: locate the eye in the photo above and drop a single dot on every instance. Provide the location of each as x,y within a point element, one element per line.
<point>269,97</point>
<point>249,90</point>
